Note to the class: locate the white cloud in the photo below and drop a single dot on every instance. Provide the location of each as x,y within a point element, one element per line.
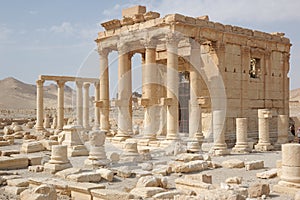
<point>4,32</point>
<point>65,27</point>
<point>33,12</point>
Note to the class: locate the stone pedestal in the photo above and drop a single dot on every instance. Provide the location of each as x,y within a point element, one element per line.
<point>73,141</point>
<point>219,147</point>
<point>263,130</point>
<point>290,174</point>
<point>130,153</point>
<point>283,125</point>
<point>59,159</point>
<point>241,145</point>
<point>47,121</point>
<point>97,156</point>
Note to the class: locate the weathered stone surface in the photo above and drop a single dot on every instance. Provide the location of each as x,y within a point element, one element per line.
<point>252,165</point>
<point>205,178</point>
<point>66,172</point>
<point>9,152</point>
<point>147,192</point>
<point>106,174</point>
<point>18,182</point>
<point>47,144</point>
<point>167,195</point>
<point>123,172</point>
<point>258,189</point>
<point>267,174</point>
<point>36,168</point>
<point>233,163</point>
<point>13,163</point>
<point>187,157</point>
<point>148,181</point>
<point>146,166</point>
<point>14,189</point>
<point>234,180</point>
<point>192,166</point>
<point>42,192</point>
<point>108,194</point>
<point>162,169</point>
<point>85,177</point>
<point>30,147</point>
<point>187,185</point>
<point>8,130</point>
<point>113,157</point>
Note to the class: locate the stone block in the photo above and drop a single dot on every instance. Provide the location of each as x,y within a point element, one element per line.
<point>9,152</point>
<point>85,177</point>
<point>148,181</point>
<point>167,195</point>
<point>192,166</point>
<point>42,192</point>
<point>187,185</point>
<point>151,15</point>
<point>53,168</point>
<point>66,172</point>
<point>253,165</point>
<point>47,144</point>
<point>13,163</point>
<point>82,191</point>
<point>18,182</point>
<point>205,178</point>
<point>34,160</point>
<point>162,170</point>
<point>267,174</point>
<point>108,194</point>
<point>14,190</point>
<point>31,147</point>
<point>147,192</point>
<point>233,163</point>
<point>36,168</point>
<point>106,174</point>
<point>234,180</point>
<point>187,157</point>
<point>258,189</point>
<point>124,172</point>
<point>129,12</point>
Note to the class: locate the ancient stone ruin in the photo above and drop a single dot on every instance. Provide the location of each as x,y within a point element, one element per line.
<point>214,118</point>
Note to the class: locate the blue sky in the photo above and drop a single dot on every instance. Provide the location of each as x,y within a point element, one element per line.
<point>57,37</point>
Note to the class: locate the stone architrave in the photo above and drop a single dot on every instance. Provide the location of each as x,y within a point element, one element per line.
<point>263,130</point>
<point>73,141</point>
<point>220,146</point>
<point>58,160</point>
<point>283,125</point>
<point>290,173</point>
<point>241,145</point>
<point>97,155</point>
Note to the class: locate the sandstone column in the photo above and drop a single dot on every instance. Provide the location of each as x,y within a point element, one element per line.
<point>86,110</point>
<point>263,130</point>
<point>172,88</point>
<point>104,88</point>
<point>58,160</point>
<point>150,92</point>
<point>241,145</point>
<point>40,105</point>
<point>290,173</point>
<point>220,147</point>
<point>79,102</point>
<point>283,125</point>
<point>124,95</point>
<point>60,104</point>
<point>97,109</point>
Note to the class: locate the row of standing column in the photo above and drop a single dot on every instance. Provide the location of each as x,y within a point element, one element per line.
<point>81,103</point>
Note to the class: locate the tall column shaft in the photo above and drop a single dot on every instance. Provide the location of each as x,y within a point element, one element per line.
<point>150,93</point>
<point>79,103</point>
<point>241,145</point>
<point>172,89</point>
<point>86,110</point>
<point>104,88</point>
<point>97,109</point>
<point>60,104</point>
<point>39,105</point>
<point>283,124</point>
<point>124,95</point>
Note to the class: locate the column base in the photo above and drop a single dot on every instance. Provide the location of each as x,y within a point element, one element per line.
<point>220,150</point>
<point>263,147</point>
<point>53,168</point>
<point>131,157</point>
<point>78,150</point>
<point>172,136</point>
<point>193,147</point>
<point>241,149</point>
<point>286,188</point>
<point>89,163</point>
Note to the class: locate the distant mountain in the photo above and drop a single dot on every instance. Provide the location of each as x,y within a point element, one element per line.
<point>295,95</point>
<point>15,94</point>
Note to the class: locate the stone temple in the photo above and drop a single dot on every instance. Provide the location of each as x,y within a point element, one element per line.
<point>208,89</point>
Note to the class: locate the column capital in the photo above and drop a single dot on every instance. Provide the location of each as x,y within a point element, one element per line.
<point>86,85</point>
<point>96,84</point>
<point>122,48</point>
<point>40,82</point>
<point>150,43</point>
<point>60,83</point>
<point>104,51</point>
<point>79,84</point>
<point>172,40</point>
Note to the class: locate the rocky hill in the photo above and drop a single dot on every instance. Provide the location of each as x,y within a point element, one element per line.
<point>15,94</point>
